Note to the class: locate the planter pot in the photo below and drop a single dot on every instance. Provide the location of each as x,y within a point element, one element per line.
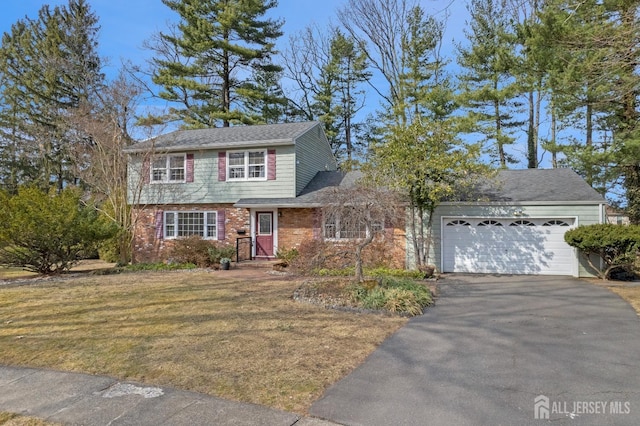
<point>225,266</point>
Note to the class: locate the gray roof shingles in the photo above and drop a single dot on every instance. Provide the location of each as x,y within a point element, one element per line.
<point>541,185</point>
<point>515,186</point>
<point>224,137</point>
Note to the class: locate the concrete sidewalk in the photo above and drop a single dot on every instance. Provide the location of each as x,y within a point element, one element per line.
<point>82,399</point>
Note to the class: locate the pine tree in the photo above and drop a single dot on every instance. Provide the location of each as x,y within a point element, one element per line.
<point>205,64</point>
<point>48,66</point>
<point>488,82</point>
<point>341,96</point>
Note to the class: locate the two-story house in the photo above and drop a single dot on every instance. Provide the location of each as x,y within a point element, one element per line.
<point>227,183</point>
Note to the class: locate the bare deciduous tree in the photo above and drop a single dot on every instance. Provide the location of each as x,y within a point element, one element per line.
<point>361,213</point>
<point>105,120</point>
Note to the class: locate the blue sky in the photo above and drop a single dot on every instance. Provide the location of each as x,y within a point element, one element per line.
<point>125,24</point>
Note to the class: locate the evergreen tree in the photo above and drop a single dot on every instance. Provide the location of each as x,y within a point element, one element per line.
<point>205,64</point>
<point>48,66</point>
<point>490,89</point>
<point>340,96</point>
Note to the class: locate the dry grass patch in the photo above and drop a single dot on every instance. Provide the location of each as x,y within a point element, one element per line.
<point>237,338</point>
<point>11,419</point>
<point>630,294</point>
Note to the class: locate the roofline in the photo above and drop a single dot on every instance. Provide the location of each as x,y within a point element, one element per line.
<point>244,144</point>
<point>521,203</point>
<point>296,136</point>
<point>293,205</point>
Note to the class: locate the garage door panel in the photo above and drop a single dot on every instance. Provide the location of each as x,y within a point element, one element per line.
<point>509,246</point>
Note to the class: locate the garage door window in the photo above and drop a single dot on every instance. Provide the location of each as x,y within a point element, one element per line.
<point>490,223</point>
<point>555,223</point>
<point>458,223</point>
<point>522,223</point>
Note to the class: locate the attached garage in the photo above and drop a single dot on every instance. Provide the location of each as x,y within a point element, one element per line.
<point>514,224</point>
<point>508,246</point>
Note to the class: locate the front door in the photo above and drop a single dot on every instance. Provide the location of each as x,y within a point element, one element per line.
<point>264,234</point>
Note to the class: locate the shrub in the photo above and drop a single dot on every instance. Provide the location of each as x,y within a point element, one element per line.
<point>203,253</point>
<point>287,255</point>
<point>193,249</point>
<point>48,232</point>
<point>401,295</point>
<point>616,245</point>
<point>219,252</point>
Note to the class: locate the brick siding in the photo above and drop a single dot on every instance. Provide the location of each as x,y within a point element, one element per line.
<point>148,248</point>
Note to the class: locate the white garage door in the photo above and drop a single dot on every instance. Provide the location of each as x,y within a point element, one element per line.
<point>507,246</point>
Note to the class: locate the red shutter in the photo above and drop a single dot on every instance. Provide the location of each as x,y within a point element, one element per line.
<point>317,224</point>
<point>146,170</point>
<point>222,166</point>
<point>189,168</point>
<point>271,164</point>
<point>388,229</point>
<point>220,225</point>
<point>159,220</point>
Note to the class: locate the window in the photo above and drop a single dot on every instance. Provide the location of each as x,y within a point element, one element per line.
<point>522,223</point>
<point>555,223</point>
<point>458,222</point>
<point>168,168</point>
<point>490,223</point>
<point>247,165</point>
<point>185,224</point>
<point>336,228</point>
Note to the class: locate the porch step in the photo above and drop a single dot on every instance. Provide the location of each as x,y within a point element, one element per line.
<point>255,264</point>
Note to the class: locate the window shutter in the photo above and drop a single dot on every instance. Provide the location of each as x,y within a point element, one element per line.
<point>220,225</point>
<point>388,229</point>
<point>317,224</point>
<point>189,168</point>
<point>159,220</point>
<point>271,164</point>
<point>222,166</point>
<point>146,170</point>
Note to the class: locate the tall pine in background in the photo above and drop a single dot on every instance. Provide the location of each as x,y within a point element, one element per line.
<point>48,66</point>
<point>206,63</point>
<point>487,79</point>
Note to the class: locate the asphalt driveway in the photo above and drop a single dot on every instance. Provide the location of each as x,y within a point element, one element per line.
<point>491,347</point>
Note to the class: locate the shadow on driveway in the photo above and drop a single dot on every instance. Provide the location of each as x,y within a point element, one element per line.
<point>489,347</point>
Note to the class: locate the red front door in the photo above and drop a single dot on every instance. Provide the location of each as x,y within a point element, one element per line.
<point>264,234</point>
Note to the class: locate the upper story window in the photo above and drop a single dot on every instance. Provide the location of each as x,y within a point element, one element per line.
<point>168,168</point>
<point>247,165</point>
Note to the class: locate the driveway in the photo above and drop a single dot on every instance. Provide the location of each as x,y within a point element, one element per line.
<point>489,348</point>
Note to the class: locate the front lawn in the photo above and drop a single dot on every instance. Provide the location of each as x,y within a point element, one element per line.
<point>241,338</point>
<point>629,293</point>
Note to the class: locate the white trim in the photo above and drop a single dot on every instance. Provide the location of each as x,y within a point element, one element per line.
<point>253,228</point>
<point>175,223</point>
<point>246,165</point>
<point>167,168</point>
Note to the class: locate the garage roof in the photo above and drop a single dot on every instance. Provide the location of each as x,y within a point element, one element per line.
<point>550,185</point>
